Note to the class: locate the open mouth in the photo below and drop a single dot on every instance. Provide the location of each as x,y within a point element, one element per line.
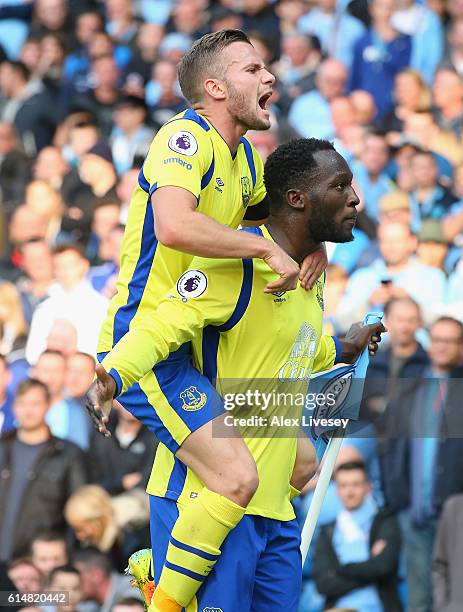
<point>264,99</point>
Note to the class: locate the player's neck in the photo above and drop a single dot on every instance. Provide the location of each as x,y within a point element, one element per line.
<point>287,236</point>
<point>225,125</point>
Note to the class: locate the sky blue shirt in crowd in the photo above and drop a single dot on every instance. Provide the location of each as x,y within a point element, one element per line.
<point>310,116</point>
<point>371,191</point>
<point>424,284</point>
<point>351,544</point>
<point>336,32</point>
<point>67,420</point>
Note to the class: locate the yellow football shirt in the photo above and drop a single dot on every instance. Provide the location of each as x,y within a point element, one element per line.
<point>187,152</point>
<point>241,337</point>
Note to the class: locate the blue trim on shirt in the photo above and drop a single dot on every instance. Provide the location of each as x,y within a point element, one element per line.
<point>338,346</point>
<point>142,269</point>
<point>192,115</point>
<point>117,379</point>
<point>209,174</point>
<point>250,159</point>
<point>195,551</point>
<point>211,333</point>
<point>142,181</point>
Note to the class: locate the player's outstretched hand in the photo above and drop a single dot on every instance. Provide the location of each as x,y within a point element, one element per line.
<point>285,267</point>
<point>99,399</point>
<point>313,267</point>
<point>358,337</point>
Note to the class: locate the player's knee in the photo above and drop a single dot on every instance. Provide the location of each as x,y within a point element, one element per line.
<point>241,483</point>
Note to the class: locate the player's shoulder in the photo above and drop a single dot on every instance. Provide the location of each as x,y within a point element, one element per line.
<point>185,133</point>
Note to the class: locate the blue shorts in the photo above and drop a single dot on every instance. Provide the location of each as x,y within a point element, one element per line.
<point>173,399</point>
<point>259,569</point>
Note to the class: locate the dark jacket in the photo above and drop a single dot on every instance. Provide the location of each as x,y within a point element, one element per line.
<point>395,453</point>
<point>57,473</point>
<point>379,384</point>
<point>334,580</point>
<point>110,461</point>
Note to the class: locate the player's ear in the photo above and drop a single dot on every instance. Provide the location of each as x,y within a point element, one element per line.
<point>215,89</point>
<point>296,198</point>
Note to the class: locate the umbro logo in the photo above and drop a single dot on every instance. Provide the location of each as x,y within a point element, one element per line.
<point>219,184</point>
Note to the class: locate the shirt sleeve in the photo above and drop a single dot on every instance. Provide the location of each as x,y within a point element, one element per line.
<point>200,298</point>
<point>259,192</point>
<point>180,156</point>
<point>326,354</point>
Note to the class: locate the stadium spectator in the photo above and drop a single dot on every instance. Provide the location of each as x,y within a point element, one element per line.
<point>138,70</point>
<point>379,54</point>
<point>432,249</point>
<point>26,577</point>
<point>448,100</point>
<point>48,550</point>
<point>429,199</point>
<point>297,66</point>
<point>67,579</point>
<point>128,604</point>
<point>94,181</point>
<point>422,455</point>
<point>370,174</point>
<point>50,166</point>
<point>427,32</point>
<point>162,93</point>
<point>117,526</point>
<point>14,169</point>
<point>100,583</point>
<point>404,357</point>
<point>13,322</point>
<point>51,16</point>
<point>447,561</point>
<point>72,299</point>
<point>65,417</point>
<point>101,100</point>
<point>38,473</point>
<point>310,113</point>
<point>36,264</point>
<point>103,278</point>
<point>131,137</point>
<point>28,106</point>
<point>106,215</point>
<point>77,63</point>
<point>79,375</point>
<point>357,557</point>
<point>410,96</point>
<point>188,17</point>
<point>395,274</point>
<point>123,461</point>
<point>120,21</point>
<point>453,57</point>
<point>62,338</point>
<point>336,30</point>
<point>364,105</point>
<point>6,398</point>
<point>260,16</point>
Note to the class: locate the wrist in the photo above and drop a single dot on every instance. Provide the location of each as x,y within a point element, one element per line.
<point>349,352</point>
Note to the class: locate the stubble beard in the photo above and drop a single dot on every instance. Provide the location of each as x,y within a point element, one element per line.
<point>239,107</point>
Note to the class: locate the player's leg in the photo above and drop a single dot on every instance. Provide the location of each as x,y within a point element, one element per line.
<point>230,585</point>
<point>278,578</point>
<point>186,404</point>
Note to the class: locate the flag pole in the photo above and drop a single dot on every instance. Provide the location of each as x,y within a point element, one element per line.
<point>329,460</point>
<point>330,456</point>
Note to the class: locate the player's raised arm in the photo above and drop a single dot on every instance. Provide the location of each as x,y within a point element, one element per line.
<point>180,226</point>
<point>198,299</point>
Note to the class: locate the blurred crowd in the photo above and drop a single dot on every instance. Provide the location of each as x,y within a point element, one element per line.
<point>84,86</point>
